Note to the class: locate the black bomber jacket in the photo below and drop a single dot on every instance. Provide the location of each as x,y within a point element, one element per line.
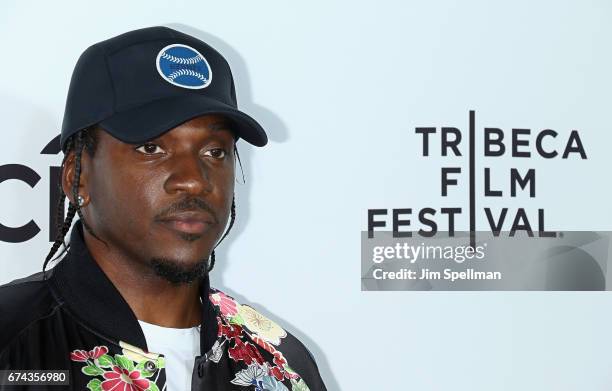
<point>74,319</point>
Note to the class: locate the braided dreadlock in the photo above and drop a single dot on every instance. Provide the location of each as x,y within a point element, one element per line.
<point>88,138</point>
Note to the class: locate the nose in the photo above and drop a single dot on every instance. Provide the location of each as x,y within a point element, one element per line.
<point>189,174</point>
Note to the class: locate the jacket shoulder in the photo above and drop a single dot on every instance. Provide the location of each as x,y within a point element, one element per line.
<point>22,302</point>
<point>271,337</point>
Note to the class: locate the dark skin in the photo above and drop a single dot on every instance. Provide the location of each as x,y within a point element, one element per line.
<point>133,194</point>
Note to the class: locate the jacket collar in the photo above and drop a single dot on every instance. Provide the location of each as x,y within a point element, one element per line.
<point>90,296</point>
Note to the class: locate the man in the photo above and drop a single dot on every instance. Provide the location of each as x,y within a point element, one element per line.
<point>149,137</point>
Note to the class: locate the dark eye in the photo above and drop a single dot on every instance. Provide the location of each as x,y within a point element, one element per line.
<point>217,153</point>
<point>150,149</point>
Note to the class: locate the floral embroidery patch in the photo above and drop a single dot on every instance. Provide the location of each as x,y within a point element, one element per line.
<point>239,321</point>
<point>242,331</point>
<point>129,371</point>
<point>261,326</point>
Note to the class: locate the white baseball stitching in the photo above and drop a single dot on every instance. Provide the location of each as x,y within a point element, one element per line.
<point>187,72</point>
<point>178,60</point>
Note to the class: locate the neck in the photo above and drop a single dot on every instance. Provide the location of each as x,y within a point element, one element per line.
<point>152,298</point>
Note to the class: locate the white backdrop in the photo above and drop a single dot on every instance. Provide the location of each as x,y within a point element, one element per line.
<point>340,87</point>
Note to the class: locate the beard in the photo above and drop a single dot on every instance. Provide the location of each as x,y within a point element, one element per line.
<point>177,274</point>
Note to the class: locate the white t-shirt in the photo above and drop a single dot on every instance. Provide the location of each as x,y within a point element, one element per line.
<point>180,348</point>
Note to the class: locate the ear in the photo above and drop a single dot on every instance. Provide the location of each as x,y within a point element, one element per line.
<point>68,178</point>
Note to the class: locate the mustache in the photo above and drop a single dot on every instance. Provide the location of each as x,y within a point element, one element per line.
<point>188,205</point>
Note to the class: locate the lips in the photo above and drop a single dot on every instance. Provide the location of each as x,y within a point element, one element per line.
<point>189,222</point>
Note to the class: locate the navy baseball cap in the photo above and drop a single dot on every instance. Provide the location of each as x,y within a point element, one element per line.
<point>143,83</point>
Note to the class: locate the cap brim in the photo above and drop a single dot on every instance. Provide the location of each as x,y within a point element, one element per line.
<point>149,121</point>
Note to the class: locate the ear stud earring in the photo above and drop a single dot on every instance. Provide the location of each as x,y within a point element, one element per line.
<point>80,200</point>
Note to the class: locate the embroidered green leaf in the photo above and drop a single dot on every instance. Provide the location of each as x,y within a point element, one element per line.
<point>124,362</point>
<point>161,362</point>
<point>106,361</point>
<point>146,373</point>
<point>237,319</point>
<point>92,370</point>
<point>299,385</point>
<point>152,387</point>
<point>95,385</point>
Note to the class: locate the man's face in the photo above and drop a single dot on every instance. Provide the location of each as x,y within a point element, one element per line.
<point>166,202</point>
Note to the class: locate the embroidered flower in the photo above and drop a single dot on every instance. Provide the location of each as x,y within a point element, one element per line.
<point>245,351</point>
<point>79,355</point>
<point>277,373</point>
<point>97,352</point>
<point>260,325</point>
<point>226,304</point>
<point>122,379</point>
<point>250,376</point>
<point>246,331</point>
<point>281,369</point>
<point>279,359</point>
<point>229,331</point>
<point>255,375</point>
<point>120,372</point>
<point>83,355</point>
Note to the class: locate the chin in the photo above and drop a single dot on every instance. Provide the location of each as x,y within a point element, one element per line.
<point>179,272</point>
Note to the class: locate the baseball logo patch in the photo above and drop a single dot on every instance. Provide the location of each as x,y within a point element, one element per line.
<point>183,66</point>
